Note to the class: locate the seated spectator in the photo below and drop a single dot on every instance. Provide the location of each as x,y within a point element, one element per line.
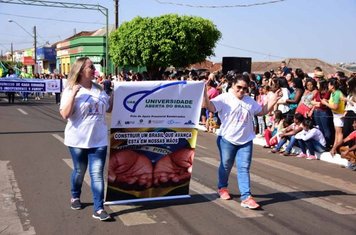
<point>280,129</point>
<point>274,128</point>
<point>310,139</point>
<point>289,134</point>
<point>349,152</point>
<point>211,123</point>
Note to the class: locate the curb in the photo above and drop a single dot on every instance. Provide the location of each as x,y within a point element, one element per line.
<point>325,156</point>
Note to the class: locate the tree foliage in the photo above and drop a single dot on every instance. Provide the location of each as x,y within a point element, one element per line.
<point>163,41</point>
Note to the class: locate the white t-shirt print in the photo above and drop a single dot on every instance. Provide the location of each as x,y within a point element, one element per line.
<point>236,117</point>
<point>87,127</point>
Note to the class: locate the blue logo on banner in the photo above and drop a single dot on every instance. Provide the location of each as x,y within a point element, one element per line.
<point>144,94</point>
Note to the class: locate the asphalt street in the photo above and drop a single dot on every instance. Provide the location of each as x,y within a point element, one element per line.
<point>297,196</point>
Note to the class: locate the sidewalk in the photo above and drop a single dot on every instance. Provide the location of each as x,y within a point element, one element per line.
<point>325,156</point>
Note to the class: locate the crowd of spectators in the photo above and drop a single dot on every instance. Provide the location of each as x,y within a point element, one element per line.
<point>316,113</point>
<point>314,108</point>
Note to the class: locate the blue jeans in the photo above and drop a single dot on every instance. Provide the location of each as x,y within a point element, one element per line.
<point>96,158</point>
<point>312,145</point>
<point>242,154</point>
<point>324,120</point>
<point>290,144</point>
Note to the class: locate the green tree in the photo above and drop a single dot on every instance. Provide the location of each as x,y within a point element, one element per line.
<point>163,41</point>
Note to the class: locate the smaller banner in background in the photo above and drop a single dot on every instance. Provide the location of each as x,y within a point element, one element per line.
<point>153,139</point>
<point>30,85</point>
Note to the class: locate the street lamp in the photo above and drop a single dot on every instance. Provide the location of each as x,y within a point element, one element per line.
<point>34,35</point>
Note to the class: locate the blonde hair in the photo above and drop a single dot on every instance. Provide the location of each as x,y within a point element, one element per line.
<point>76,69</point>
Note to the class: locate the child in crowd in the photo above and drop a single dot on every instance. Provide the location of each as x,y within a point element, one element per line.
<point>261,100</point>
<point>211,123</point>
<point>311,139</point>
<point>289,134</point>
<point>273,129</point>
<point>349,152</point>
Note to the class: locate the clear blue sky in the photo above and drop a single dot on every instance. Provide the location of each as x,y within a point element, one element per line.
<point>323,29</point>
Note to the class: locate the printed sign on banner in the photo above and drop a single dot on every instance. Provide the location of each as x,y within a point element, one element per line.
<point>153,139</point>
<point>29,85</point>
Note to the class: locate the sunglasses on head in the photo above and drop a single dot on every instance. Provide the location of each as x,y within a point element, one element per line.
<point>244,88</point>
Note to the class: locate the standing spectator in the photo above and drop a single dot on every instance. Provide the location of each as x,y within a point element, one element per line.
<point>340,76</point>
<point>266,78</point>
<point>58,94</point>
<point>84,104</point>
<point>222,86</point>
<point>37,94</point>
<point>282,84</point>
<point>261,100</point>
<point>305,106</point>
<point>295,95</point>
<point>107,85</point>
<point>11,95</point>
<point>253,93</point>
<point>337,106</point>
<point>322,114</point>
<point>236,110</point>
<point>350,109</point>
<point>310,139</point>
<point>284,69</point>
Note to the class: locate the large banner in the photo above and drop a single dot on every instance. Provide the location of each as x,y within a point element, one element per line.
<point>153,140</point>
<point>29,85</point>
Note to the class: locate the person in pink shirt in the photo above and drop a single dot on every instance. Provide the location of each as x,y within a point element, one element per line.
<point>211,89</point>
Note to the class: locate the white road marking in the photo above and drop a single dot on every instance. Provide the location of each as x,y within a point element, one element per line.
<point>132,218</point>
<point>324,203</point>
<point>10,222</point>
<point>230,205</point>
<point>128,219</point>
<point>200,146</point>
<point>58,137</point>
<point>22,111</point>
<point>325,179</point>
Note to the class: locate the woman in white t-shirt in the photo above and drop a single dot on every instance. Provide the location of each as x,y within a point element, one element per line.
<point>236,111</point>
<point>84,104</point>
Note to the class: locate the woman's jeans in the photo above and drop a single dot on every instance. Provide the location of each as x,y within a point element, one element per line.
<point>283,141</point>
<point>242,154</point>
<point>311,145</point>
<point>96,158</point>
<point>323,119</point>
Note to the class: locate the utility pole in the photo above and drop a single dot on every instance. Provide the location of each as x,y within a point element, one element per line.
<point>116,14</point>
<point>116,26</point>
<point>12,53</point>
<point>35,48</point>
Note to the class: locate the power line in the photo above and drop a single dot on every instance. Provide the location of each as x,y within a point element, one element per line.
<point>219,6</point>
<point>251,51</point>
<point>42,18</point>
